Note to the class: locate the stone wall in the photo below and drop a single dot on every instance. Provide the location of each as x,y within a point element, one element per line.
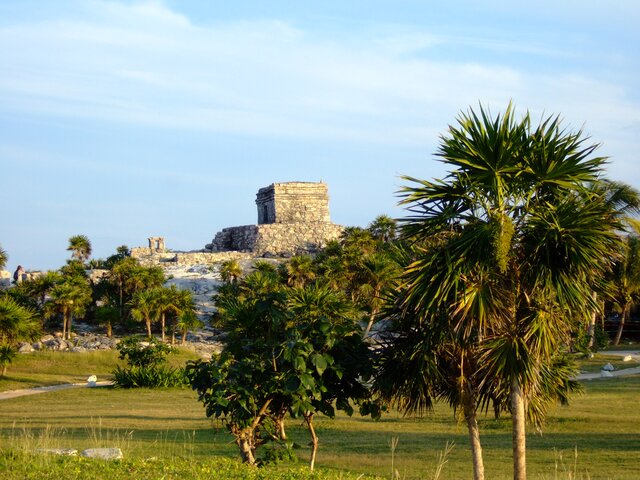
<point>143,255</point>
<point>276,239</point>
<point>293,202</point>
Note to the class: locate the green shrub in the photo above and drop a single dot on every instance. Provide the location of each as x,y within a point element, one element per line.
<point>149,377</point>
<point>146,365</point>
<point>143,352</point>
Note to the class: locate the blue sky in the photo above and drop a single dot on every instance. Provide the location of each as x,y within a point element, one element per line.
<point>124,120</point>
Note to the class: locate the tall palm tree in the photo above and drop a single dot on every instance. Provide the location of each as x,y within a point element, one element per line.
<point>68,298</point>
<point>80,247</point>
<point>3,258</point>
<point>625,281</point>
<point>523,234</point>
<point>143,308</point>
<point>376,273</point>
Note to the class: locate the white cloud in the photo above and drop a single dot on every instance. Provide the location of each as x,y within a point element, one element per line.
<point>144,64</point>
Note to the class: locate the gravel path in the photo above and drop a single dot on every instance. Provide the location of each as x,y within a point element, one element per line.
<point>33,391</point>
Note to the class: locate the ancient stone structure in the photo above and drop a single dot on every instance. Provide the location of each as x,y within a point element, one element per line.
<point>156,244</point>
<point>293,218</point>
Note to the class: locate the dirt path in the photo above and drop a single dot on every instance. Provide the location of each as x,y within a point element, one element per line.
<point>33,391</point>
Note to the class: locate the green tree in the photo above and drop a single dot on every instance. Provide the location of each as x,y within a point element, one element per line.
<point>625,281</point>
<point>383,228</point>
<point>230,271</point>
<point>80,247</point>
<point>17,323</point>
<point>143,308</point>
<point>287,350</point>
<point>522,234</point>
<point>107,315</point>
<point>3,258</point>
<point>300,271</point>
<point>68,298</point>
<point>377,272</point>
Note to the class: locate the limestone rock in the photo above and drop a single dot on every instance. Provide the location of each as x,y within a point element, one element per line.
<point>627,358</point>
<point>102,453</point>
<point>69,452</point>
<point>25,348</point>
<point>608,368</point>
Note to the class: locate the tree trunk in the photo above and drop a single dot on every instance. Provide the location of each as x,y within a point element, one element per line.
<point>470,416</point>
<point>314,440</point>
<point>623,318</point>
<point>4,370</point>
<point>369,325</point>
<point>64,324</point>
<point>519,430</point>
<point>246,448</point>
<point>162,325</point>
<point>109,330</point>
<point>280,428</point>
<point>148,322</point>
<point>591,330</point>
<point>69,326</point>
<point>183,341</point>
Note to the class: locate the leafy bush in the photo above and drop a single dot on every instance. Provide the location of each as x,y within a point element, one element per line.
<point>146,365</point>
<point>143,353</point>
<point>155,376</point>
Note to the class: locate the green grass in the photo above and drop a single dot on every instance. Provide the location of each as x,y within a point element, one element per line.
<point>52,368</point>
<point>600,359</point>
<point>170,424</point>
<point>165,434</point>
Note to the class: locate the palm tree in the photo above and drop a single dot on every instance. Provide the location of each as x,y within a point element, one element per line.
<point>3,258</point>
<point>625,280</point>
<point>17,323</point>
<point>230,271</point>
<point>143,308</point>
<point>300,271</point>
<point>522,234</point>
<point>107,315</point>
<point>80,247</point>
<point>383,228</point>
<point>68,298</point>
<point>376,273</point>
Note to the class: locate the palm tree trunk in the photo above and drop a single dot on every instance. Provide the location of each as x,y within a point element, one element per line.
<point>623,318</point>
<point>183,341</point>
<point>69,326</point>
<point>470,416</point>
<point>314,440</point>
<point>148,322</point>
<point>519,430</point>
<point>162,325</point>
<point>591,330</point>
<point>64,324</point>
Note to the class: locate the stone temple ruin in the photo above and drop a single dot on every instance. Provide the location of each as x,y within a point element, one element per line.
<point>293,218</point>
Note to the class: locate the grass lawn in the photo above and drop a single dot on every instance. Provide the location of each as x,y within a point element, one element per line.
<point>51,368</point>
<point>167,429</point>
